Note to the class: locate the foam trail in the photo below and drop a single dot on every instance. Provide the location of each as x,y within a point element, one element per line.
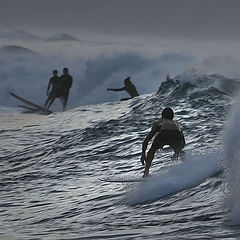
<point>190,173</point>
<point>231,163</point>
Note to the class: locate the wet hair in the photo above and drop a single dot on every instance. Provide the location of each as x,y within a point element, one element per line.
<point>168,113</point>
<point>55,71</point>
<point>65,69</point>
<point>127,80</point>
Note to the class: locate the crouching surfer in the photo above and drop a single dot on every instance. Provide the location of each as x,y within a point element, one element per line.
<point>168,133</point>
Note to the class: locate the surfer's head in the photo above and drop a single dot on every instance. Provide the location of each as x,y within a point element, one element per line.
<point>65,70</point>
<point>55,72</point>
<point>168,113</point>
<point>127,81</point>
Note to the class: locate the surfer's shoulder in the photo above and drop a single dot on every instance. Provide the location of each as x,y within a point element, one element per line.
<point>157,125</point>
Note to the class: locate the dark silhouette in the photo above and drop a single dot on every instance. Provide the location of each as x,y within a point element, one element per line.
<point>66,79</point>
<point>129,87</point>
<point>55,84</point>
<point>168,133</point>
<point>169,82</point>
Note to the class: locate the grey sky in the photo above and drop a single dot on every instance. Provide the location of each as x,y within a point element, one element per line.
<point>169,18</point>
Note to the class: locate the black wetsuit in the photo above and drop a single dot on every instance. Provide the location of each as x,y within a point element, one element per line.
<point>66,85</point>
<point>56,90</point>
<point>129,88</point>
<point>170,133</point>
<point>132,91</point>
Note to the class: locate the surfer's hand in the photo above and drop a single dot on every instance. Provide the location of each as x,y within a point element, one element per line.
<point>174,157</point>
<point>143,159</point>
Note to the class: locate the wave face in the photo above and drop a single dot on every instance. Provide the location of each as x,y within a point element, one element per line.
<point>194,170</point>
<point>50,167</point>
<point>232,165</point>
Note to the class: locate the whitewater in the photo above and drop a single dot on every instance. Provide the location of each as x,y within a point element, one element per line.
<point>51,164</point>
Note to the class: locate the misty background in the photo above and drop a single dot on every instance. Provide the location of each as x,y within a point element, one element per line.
<point>103,42</point>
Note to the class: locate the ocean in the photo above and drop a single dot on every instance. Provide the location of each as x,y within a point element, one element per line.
<point>51,166</point>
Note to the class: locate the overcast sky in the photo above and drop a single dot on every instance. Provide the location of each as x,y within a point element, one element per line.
<point>160,18</point>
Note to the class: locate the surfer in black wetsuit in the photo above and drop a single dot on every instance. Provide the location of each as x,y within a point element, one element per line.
<point>55,84</point>
<point>168,133</point>
<point>129,87</point>
<point>67,80</point>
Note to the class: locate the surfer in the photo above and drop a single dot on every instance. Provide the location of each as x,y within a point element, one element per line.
<point>128,87</point>
<point>66,79</point>
<point>169,82</point>
<point>55,84</point>
<point>168,133</point>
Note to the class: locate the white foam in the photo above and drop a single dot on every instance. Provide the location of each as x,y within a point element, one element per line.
<point>191,172</point>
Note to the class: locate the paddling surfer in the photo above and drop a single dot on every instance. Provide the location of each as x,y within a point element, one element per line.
<point>168,133</point>
<point>128,87</point>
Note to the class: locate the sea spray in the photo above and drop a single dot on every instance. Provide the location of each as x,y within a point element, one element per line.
<point>195,168</point>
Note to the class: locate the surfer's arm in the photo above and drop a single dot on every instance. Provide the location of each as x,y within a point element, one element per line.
<point>180,129</point>
<point>116,89</point>
<point>150,135</point>
<point>183,139</point>
<point>49,84</point>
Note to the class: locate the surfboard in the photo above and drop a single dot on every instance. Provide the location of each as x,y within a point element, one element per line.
<point>28,108</point>
<point>122,180</point>
<point>44,110</point>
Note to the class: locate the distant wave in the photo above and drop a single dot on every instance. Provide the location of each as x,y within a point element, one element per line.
<point>61,37</point>
<point>18,34</point>
<point>194,85</point>
<point>91,77</point>
<point>25,72</point>
<point>16,50</point>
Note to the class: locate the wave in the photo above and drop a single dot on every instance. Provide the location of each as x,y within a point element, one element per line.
<point>231,164</point>
<point>61,37</point>
<point>27,74</point>
<point>196,85</point>
<point>195,169</point>
<point>18,34</point>
<point>16,50</point>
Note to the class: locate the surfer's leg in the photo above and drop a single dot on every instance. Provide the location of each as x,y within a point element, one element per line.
<point>51,101</point>
<point>65,99</point>
<point>46,103</point>
<point>150,156</point>
<point>177,151</point>
<point>62,101</point>
<point>64,104</point>
<point>157,144</point>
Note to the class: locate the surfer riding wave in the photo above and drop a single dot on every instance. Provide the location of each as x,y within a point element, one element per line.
<point>168,133</point>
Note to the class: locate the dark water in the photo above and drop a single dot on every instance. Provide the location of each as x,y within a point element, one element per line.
<point>51,165</point>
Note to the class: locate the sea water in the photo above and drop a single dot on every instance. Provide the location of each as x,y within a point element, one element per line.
<point>50,168</point>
